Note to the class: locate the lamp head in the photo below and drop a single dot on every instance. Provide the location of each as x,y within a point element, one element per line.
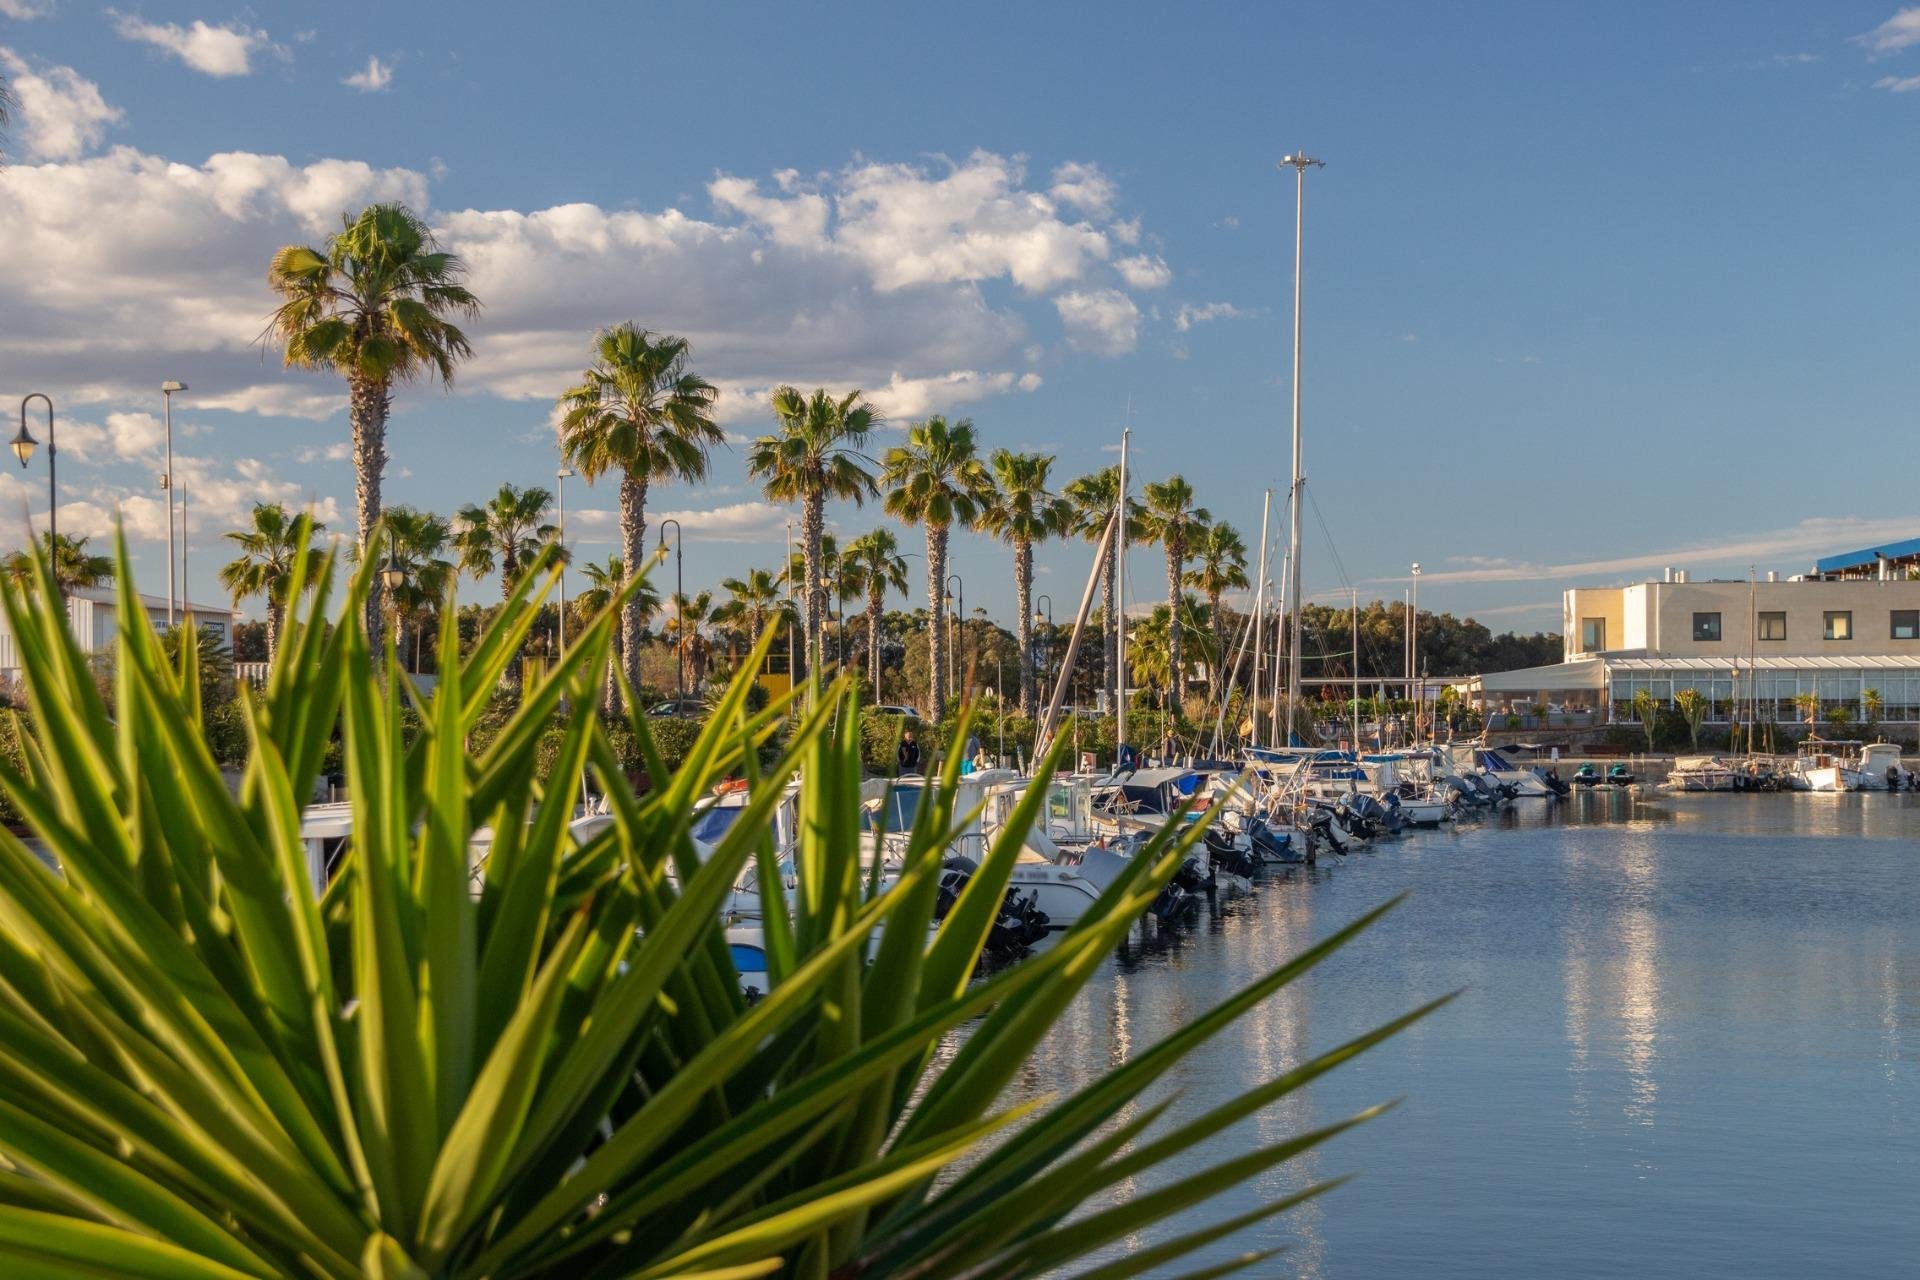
<point>23,444</point>
<point>393,573</point>
<point>170,386</point>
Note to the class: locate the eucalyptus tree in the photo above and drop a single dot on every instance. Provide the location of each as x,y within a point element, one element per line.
<point>1024,511</point>
<point>871,566</point>
<point>816,455</point>
<point>505,533</point>
<point>640,411</point>
<point>1219,566</point>
<point>1169,518</point>
<point>375,303</point>
<point>936,480</point>
<point>273,545</point>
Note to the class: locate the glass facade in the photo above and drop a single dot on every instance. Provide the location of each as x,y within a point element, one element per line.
<point>1774,693</point>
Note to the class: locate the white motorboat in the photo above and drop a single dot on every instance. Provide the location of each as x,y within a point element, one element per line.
<point>1702,773</point>
<point>1845,766</point>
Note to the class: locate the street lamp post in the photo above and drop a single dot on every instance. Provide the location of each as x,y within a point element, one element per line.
<point>956,596</point>
<point>1043,597</point>
<point>1413,651</point>
<point>560,479</point>
<point>679,607</point>
<point>167,389</point>
<point>23,449</point>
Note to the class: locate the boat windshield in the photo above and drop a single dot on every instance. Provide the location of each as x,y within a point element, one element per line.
<point>713,822</point>
<point>895,812</point>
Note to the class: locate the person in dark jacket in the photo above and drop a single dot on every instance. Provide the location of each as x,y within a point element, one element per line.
<point>908,756</point>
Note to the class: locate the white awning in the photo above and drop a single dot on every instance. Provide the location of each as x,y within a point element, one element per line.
<point>1871,662</point>
<point>1586,673</point>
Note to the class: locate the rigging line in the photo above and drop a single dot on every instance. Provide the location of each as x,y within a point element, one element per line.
<point>1332,550</point>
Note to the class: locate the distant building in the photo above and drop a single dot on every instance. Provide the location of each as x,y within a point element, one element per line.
<point>90,613</point>
<point>1850,626</point>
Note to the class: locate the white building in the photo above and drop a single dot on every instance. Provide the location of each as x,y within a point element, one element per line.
<point>90,613</point>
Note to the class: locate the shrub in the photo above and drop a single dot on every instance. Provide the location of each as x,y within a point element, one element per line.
<point>541,1066</point>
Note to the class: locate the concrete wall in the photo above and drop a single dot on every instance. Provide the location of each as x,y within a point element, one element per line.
<point>1658,617</point>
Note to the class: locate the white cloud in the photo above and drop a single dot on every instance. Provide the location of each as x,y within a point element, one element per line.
<point>1901,31</point>
<point>338,451</point>
<point>373,78</point>
<point>1102,321</point>
<point>1084,187</point>
<point>1793,544</point>
<point>736,522</point>
<point>62,113</point>
<point>218,494</point>
<point>1898,84</point>
<point>1791,60</point>
<point>1188,315</point>
<point>216,51</point>
<point>25,10</point>
<point>1142,271</point>
<point>903,399</point>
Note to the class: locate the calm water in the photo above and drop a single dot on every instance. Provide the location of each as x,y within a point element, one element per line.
<point>1686,1045</point>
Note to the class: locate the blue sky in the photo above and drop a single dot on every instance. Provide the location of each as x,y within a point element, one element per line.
<point>1589,289</point>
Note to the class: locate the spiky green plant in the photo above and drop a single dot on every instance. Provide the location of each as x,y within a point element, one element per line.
<point>535,1060</point>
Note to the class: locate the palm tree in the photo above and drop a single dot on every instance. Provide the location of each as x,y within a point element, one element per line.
<point>872,564</point>
<point>1093,498</point>
<point>73,566</point>
<point>691,614</point>
<point>815,456</point>
<point>603,585</point>
<point>1024,511</point>
<point>637,410</point>
<point>752,601</point>
<point>1170,519</point>
<point>415,540</point>
<point>507,532</point>
<point>936,480</point>
<point>792,579</point>
<point>1219,566</point>
<point>375,304</point>
<point>270,549</point>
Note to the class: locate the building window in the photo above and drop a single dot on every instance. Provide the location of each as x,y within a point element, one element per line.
<point>1706,627</point>
<point>1839,624</point>
<point>1593,635</point>
<point>1773,626</point>
<point>1906,624</point>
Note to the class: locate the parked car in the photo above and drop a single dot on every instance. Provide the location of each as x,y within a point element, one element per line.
<point>893,709</point>
<point>678,709</point>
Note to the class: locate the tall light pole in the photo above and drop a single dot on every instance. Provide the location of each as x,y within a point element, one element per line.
<point>957,596</point>
<point>1037,613</point>
<point>560,479</point>
<point>679,606</point>
<point>23,449</point>
<point>167,389</point>
<point>1299,162</point>
<point>1413,649</point>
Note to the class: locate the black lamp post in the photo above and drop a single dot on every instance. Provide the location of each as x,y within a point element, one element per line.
<point>23,446</point>
<point>679,607</point>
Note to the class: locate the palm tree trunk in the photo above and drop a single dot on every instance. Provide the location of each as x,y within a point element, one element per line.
<point>937,611</point>
<point>1109,623</point>
<point>1023,588</point>
<point>273,632</point>
<point>368,402</point>
<point>633,545</point>
<point>873,640</point>
<point>814,524</point>
<point>1176,684</point>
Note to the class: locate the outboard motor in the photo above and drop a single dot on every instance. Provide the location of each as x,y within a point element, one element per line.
<point>1228,854</point>
<point>1553,781</point>
<point>1017,926</point>
<point>1173,904</point>
<point>1320,830</point>
<point>1275,846</point>
<point>1466,794</point>
<point>1381,819</point>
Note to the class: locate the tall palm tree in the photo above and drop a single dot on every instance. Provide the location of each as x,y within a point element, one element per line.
<point>1169,518</point>
<point>753,600</point>
<point>273,544</point>
<point>1024,511</point>
<point>639,411</point>
<point>603,585</point>
<point>815,456</point>
<point>691,614</point>
<point>1093,497</point>
<point>73,565</point>
<point>375,303</point>
<point>936,480</point>
<point>415,541</point>
<point>506,533</point>
<point>872,565</point>
<point>1219,566</point>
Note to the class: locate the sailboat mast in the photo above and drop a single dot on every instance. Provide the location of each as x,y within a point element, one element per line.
<point>1260,614</point>
<point>1355,700</point>
<point>1120,606</point>
<point>1299,162</point>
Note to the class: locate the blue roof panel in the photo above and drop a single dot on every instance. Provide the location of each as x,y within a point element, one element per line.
<point>1860,559</point>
